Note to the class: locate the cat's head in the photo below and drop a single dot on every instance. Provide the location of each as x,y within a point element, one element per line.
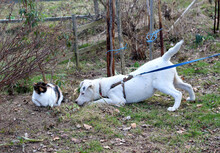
<point>40,87</point>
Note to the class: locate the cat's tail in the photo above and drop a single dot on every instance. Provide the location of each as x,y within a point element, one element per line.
<point>172,51</point>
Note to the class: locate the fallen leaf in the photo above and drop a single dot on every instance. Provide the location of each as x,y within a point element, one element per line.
<point>182,77</point>
<point>120,140</point>
<point>87,127</point>
<point>117,111</point>
<point>157,95</point>
<point>188,146</point>
<point>106,147</point>
<point>102,141</point>
<point>181,131</point>
<point>15,109</point>
<point>195,89</point>
<point>56,138</point>
<point>64,135</point>
<point>78,126</point>
<point>127,118</point>
<point>146,125</point>
<point>75,140</point>
<point>126,128</point>
<point>210,131</point>
<point>50,149</point>
<point>199,105</point>
<point>133,125</point>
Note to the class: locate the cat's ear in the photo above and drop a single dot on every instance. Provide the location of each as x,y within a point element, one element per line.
<point>44,83</point>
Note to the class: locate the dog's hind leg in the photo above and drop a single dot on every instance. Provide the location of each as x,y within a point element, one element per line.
<point>185,86</point>
<point>170,90</point>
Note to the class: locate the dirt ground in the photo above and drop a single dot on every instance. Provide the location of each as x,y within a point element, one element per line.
<point>19,117</point>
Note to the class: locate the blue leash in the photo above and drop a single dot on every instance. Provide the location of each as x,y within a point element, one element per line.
<point>117,49</point>
<point>179,64</point>
<point>151,35</point>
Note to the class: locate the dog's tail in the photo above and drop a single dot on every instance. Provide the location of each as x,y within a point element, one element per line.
<point>172,51</point>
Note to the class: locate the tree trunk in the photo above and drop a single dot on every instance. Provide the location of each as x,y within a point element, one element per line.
<point>160,26</point>
<point>110,17</point>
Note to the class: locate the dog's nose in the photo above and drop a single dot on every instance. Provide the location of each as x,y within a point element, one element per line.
<point>76,101</point>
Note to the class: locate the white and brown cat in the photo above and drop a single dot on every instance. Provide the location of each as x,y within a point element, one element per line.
<point>47,94</point>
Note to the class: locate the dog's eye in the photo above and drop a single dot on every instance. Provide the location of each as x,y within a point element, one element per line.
<point>84,88</point>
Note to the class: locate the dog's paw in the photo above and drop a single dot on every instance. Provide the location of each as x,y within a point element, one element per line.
<point>171,109</point>
<point>120,104</point>
<point>189,99</point>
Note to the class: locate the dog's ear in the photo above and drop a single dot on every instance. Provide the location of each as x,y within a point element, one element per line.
<point>81,83</point>
<point>90,86</point>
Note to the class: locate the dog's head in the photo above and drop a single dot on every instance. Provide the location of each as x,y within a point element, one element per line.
<point>86,92</point>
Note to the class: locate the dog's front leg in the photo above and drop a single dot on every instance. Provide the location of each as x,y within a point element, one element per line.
<point>115,102</point>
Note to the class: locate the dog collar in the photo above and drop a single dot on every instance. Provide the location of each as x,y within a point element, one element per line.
<point>100,89</point>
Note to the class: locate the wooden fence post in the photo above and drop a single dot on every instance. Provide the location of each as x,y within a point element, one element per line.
<point>75,40</point>
<point>110,18</point>
<point>120,39</point>
<point>218,18</point>
<point>160,27</point>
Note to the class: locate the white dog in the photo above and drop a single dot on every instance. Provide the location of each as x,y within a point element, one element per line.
<point>119,90</point>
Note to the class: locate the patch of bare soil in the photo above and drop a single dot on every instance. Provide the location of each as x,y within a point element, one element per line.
<point>20,117</point>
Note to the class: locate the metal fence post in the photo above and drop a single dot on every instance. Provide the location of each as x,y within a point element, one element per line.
<point>151,26</point>
<point>75,40</point>
<point>120,39</point>
<point>96,8</point>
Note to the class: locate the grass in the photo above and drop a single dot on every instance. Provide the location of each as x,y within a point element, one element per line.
<point>200,67</point>
<point>190,129</point>
<point>92,146</point>
<point>54,8</point>
<point>190,125</point>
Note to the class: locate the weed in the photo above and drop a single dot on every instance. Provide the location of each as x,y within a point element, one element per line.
<point>84,45</point>
<point>216,67</point>
<point>136,64</point>
<point>92,146</point>
<point>30,12</point>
